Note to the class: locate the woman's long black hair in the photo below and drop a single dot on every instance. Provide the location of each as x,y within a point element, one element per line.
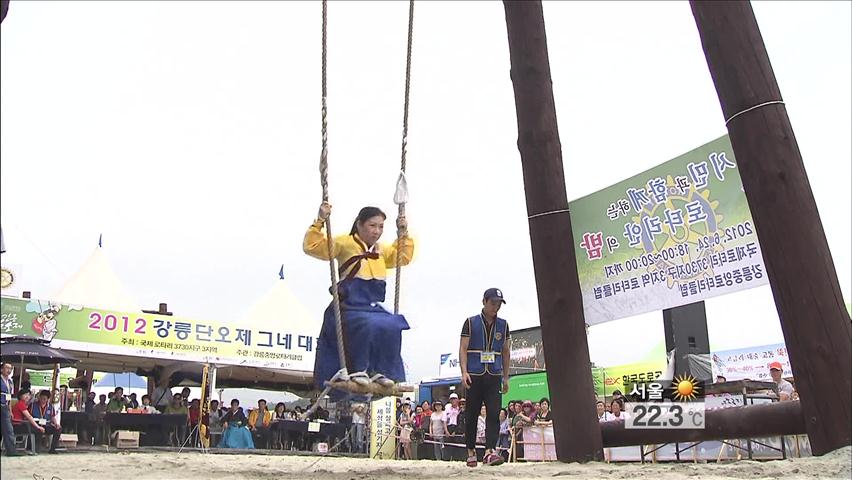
<point>365,214</point>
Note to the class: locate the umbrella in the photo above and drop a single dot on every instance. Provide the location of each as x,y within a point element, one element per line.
<point>124,380</point>
<point>32,351</point>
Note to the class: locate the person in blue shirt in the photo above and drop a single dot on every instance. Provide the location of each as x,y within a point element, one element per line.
<point>484,359</point>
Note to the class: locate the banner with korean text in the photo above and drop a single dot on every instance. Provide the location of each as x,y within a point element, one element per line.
<point>382,431</point>
<point>678,233</point>
<point>751,363</point>
<point>157,336</point>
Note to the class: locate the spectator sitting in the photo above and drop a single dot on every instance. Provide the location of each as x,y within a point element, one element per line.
<point>43,413</point>
<point>603,415</point>
<point>259,421</point>
<point>133,402</point>
<point>279,415</point>
<point>117,403</point>
<point>177,408</point>
<point>237,434</point>
<point>146,405</point>
<point>22,420</point>
<point>214,423</point>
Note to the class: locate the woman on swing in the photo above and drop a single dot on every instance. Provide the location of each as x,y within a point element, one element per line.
<point>373,336</point>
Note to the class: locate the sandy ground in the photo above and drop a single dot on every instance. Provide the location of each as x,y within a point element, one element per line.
<point>197,466</point>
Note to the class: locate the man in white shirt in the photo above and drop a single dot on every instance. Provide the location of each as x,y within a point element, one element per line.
<point>785,388</point>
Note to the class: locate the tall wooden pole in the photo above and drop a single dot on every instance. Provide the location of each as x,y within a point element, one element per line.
<point>566,350</point>
<point>816,327</point>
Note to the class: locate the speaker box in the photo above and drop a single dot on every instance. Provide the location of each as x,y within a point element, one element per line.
<point>686,333</point>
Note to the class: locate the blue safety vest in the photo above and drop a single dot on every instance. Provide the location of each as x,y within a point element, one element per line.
<point>479,343</point>
<point>5,391</point>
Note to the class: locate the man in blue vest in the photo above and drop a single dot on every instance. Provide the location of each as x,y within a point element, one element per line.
<point>484,359</point>
<point>6,386</point>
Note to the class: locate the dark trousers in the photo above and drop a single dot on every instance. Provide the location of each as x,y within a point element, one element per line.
<point>8,430</point>
<point>51,429</point>
<point>483,389</point>
<point>260,435</point>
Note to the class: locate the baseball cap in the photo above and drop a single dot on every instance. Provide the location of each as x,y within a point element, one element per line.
<point>494,293</point>
<point>453,396</point>
<point>776,366</point>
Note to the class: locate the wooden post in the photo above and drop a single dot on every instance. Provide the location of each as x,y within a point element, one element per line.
<point>816,327</point>
<point>577,434</point>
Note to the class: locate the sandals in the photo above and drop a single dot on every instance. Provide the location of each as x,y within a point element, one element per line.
<point>382,380</point>
<point>471,461</point>
<point>361,378</point>
<point>493,459</point>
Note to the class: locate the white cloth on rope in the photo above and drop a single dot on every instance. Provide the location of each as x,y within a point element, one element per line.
<point>400,197</point>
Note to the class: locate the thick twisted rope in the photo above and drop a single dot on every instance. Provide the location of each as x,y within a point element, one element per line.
<point>341,352</point>
<point>401,233</point>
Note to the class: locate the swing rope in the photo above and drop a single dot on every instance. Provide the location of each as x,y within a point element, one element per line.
<point>342,374</point>
<point>401,233</point>
<point>324,181</point>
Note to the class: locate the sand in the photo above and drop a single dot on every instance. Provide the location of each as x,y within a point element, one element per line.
<point>139,465</point>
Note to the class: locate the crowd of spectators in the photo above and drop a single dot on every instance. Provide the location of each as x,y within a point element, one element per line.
<point>443,426</point>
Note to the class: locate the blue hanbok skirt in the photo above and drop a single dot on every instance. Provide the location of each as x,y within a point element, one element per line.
<point>372,335</point>
<point>237,437</point>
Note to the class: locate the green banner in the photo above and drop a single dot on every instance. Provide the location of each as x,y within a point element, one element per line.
<point>156,336</point>
<point>42,378</point>
<point>678,233</point>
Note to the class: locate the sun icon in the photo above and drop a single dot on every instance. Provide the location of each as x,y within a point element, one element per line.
<point>685,388</point>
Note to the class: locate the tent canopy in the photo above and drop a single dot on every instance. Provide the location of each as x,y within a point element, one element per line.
<point>95,284</point>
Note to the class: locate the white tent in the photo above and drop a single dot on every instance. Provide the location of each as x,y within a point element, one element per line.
<point>95,284</point>
<point>279,310</point>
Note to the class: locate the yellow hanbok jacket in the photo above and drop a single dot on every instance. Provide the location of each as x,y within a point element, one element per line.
<point>353,257</point>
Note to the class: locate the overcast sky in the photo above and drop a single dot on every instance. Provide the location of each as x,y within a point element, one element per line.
<point>188,134</point>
